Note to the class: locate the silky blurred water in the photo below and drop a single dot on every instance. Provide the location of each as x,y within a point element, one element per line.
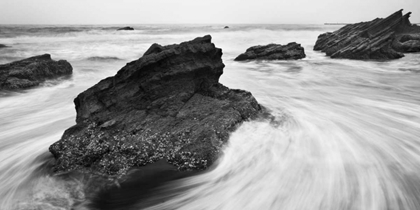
<point>347,133</point>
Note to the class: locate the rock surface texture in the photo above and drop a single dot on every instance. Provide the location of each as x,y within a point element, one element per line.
<point>166,105</point>
<point>291,51</point>
<point>127,28</point>
<point>407,43</point>
<point>381,38</point>
<point>32,72</point>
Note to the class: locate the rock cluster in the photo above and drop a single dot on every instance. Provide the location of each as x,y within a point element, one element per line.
<point>32,72</point>
<point>386,38</point>
<point>291,51</point>
<point>167,105</point>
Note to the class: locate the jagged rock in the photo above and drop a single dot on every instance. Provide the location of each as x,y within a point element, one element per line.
<point>291,51</point>
<point>386,38</point>
<point>166,105</point>
<point>2,46</point>
<point>32,72</point>
<point>127,28</point>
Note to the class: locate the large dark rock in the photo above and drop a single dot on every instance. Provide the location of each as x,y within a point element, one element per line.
<point>386,38</point>
<point>291,51</point>
<point>32,72</point>
<point>166,105</point>
<point>127,28</point>
<point>2,46</point>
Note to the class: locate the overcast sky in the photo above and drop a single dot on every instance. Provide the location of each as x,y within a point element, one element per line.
<point>201,12</point>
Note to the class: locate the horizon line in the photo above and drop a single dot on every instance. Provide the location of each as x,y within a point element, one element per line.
<point>127,24</point>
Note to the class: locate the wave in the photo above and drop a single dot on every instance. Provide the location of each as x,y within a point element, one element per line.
<point>9,31</point>
<point>410,70</point>
<point>103,58</point>
<point>51,31</point>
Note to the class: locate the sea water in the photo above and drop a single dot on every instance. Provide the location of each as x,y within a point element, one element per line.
<point>346,133</point>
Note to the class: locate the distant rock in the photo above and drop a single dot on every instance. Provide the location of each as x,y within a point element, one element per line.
<point>167,105</point>
<point>127,28</point>
<point>386,38</point>
<point>2,46</point>
<point>32,72</point>
<point>226,27</point>
<point>291,51</point>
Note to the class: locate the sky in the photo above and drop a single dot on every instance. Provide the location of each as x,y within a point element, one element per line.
<point>200,12</point>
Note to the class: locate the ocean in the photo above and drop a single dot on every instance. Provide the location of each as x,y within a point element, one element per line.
<point>346,137</point>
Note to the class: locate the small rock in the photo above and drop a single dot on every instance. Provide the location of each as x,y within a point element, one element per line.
<point>32,72</point>
<point>127,28</point>
<point>291,51</point>
<point>407,43</point>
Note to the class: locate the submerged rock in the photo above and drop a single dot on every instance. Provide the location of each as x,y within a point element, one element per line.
<point>386,38</point>
<point>226,27</point>
<point>127,28</point>
<point>291,51</point>
<point>2,46</point>
<point>168,105</point>
<point>32,72</point>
